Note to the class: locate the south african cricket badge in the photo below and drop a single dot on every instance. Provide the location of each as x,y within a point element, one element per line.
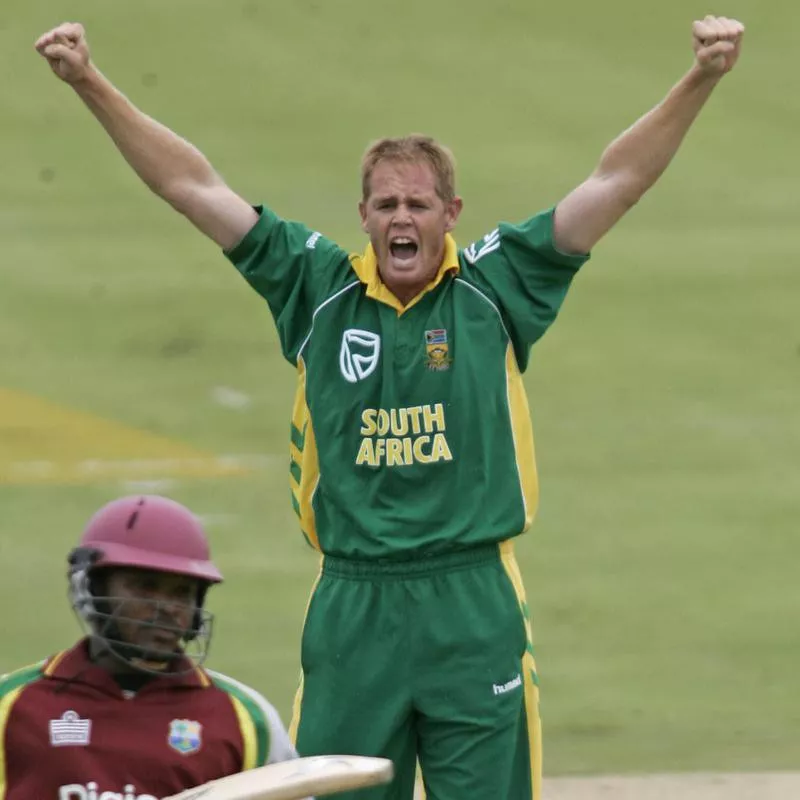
<point>185,736</point>
<point>438,354</point>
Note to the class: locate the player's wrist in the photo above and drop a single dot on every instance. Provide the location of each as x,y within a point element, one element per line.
<point>89,82</point>
<point>699,77</point>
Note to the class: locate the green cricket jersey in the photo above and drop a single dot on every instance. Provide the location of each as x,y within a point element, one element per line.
<point>410,432</point>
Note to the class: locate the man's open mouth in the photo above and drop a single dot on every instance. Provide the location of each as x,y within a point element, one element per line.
<point>402,248</point>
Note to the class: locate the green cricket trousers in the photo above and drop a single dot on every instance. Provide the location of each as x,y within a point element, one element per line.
<point>428,660</point>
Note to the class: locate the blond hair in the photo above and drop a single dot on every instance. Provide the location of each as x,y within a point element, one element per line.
<point>412,149</point>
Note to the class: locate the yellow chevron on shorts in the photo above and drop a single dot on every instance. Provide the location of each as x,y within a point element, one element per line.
<point>534,723</point>
<point>530,678</point>
<point>297,706</point>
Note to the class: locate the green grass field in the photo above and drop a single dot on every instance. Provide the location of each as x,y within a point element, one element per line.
<point>662,571</point>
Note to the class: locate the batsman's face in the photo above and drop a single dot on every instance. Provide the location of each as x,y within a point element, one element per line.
<point>406,221</point>
<point>152,610</point>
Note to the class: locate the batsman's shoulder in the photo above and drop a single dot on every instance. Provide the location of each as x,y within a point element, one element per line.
<point>255,702</point>
<point>273,742</point>
<point>17,679</point>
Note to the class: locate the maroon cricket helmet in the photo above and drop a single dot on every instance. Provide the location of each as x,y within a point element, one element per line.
<point>150,532</point>
<point>146,532</point>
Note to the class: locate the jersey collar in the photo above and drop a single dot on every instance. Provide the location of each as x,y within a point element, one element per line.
<point>366,268</point>
<point>76,665</point>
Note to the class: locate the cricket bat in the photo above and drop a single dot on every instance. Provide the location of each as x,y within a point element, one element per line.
<point>296,779</point>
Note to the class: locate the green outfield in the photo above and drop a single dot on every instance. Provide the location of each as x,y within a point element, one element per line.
<point>662,570</point>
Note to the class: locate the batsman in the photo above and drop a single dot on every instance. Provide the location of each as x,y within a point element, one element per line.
<point>412,452</point>
<point>130,712</point>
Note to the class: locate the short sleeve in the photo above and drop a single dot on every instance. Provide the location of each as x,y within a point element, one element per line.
<point>280,745</point>
<point>292,268</point>
<point>527,276</point>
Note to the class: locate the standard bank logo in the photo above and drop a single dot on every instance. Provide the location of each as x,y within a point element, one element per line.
<point>359,354</point>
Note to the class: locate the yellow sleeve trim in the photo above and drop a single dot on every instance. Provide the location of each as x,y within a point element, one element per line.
<point>5,713</point>
<point>249,737</point>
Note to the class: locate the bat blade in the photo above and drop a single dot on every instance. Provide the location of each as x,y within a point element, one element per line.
<point>296,779</point>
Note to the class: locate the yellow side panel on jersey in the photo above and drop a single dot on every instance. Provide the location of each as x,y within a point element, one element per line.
<point>304,461</point>
<point>530,678</point>
<point>522,431</point>
<point>249,737</point>
<point>5,712</point>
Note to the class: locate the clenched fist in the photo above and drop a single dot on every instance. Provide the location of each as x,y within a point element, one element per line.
<point>66,51</point>
<point>717,42</point>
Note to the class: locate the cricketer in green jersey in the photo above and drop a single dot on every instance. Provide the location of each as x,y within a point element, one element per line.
<point>412,460</point>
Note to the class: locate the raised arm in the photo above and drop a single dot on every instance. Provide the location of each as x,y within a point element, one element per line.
<point>634,161</point>
<point>170,166</point>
